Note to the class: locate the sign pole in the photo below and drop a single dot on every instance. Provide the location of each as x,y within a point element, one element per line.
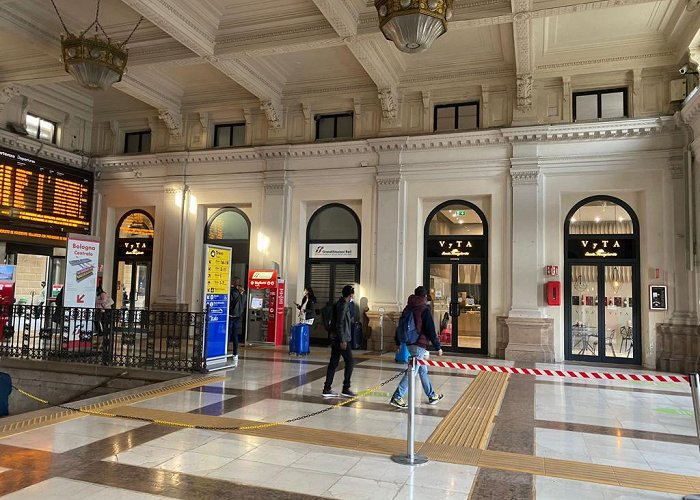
<point>411,458</point>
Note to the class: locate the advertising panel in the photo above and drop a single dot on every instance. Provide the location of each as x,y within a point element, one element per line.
<point>82,255</point>
<point>333,250</point>
<point>217,286</point>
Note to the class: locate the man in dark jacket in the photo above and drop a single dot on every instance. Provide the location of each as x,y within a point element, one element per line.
<point>341,338</point>
<point>423,318</point>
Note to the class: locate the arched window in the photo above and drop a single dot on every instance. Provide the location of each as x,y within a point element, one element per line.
<point>131,284</point>
<point>456,273</point>
<point>602,282</point>
<point>230,227</point>
<point>332,257</point>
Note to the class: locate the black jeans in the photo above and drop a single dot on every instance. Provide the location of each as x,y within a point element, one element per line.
<point>234,329</point>
<point>336,353</point>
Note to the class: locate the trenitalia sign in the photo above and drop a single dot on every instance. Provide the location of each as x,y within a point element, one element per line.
<point>333,251</point>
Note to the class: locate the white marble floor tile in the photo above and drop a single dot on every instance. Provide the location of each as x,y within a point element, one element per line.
<point>326,462</point>
<point>416,492</point>
<point>184,440</point>
<point>362,489</point>
<point>246,472</point>
<point>380,469</point>
<point>195,463</point>
<point>55,488</point>
<point>184,401</point>
<point>144,456</point>
<point>223,447</point>
<point>275,454</point>
<point>547,488</point>
<point>49,441</point>
<point>303,481</point>
<point>444,476</point>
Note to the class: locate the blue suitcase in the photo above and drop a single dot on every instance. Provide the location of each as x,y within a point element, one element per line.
<point>299,339</point>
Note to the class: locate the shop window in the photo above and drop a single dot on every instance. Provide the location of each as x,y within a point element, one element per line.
<point>230,227</point>
<point>137,142</point>
<point>131,282</point>
<point>229,135</point>
<point>463,116</point>
<point>338,126</point>
<point>41,129</point>
<point>600,104</point>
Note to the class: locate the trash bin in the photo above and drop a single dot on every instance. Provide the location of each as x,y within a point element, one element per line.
<point>5,390</point>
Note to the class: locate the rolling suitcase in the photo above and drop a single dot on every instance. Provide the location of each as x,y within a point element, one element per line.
<point>356,336</point>
<point>299,339</point>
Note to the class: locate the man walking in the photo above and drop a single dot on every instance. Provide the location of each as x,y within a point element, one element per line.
<point>341,339</point>
<point>423,319</point>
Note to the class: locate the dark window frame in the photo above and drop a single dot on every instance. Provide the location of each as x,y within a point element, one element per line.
<point>230,136</point>
<point>54,136</point>
<point>335,117</point>
<point>456,107</point>
<point>140,135</point>
<point>600,93</point>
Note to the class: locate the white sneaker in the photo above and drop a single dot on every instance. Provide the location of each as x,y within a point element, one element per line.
<point>235,357</point>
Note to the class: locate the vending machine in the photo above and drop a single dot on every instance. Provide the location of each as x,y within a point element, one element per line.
<point>7,298</point>
<point>265,307</point>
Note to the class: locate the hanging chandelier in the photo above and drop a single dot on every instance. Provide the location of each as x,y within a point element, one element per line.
<point>413,25</point>
<point>95,62</point>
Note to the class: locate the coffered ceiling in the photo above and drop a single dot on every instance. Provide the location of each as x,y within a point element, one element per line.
<point>192,53</point>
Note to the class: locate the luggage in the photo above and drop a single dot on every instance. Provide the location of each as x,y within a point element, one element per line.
<point>356,336</point>
<point>299,339</point>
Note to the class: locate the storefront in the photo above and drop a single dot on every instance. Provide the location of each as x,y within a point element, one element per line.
<point>332,258</point>
<point>602,314</point>
<point>133,255</point>
<point>456,270</point>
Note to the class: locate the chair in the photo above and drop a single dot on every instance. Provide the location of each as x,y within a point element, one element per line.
<point>626,334</point>
<point>610,341</point>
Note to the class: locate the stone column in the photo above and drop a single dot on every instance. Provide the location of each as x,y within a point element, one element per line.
<point>271,241</point>
<point>678,341</point>
<point>530,334</point>
<point>171,252</point>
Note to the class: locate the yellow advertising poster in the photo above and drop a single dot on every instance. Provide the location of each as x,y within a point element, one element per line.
<point>218,270</point>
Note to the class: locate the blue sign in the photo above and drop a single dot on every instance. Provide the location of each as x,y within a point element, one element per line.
<point>217,331</point>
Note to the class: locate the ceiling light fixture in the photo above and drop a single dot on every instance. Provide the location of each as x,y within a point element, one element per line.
<point>413,25</point>
<point>96,62</point>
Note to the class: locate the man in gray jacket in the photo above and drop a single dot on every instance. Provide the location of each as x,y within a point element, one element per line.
<point>341,338</point>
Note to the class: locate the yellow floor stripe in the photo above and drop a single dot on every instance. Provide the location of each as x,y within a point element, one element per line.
<point>469,422</point>
<point>64,415</point>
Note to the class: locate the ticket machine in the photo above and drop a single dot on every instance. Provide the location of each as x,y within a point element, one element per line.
<point>265,307</point>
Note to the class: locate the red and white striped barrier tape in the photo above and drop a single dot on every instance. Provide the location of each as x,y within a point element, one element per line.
<point>541,372</point>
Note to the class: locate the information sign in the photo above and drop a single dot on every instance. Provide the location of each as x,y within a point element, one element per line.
<point>217,276</point>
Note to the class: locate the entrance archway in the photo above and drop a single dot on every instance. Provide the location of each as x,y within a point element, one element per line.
<point>602,314</point>
<point>456,271</point>
<point>133,255</point>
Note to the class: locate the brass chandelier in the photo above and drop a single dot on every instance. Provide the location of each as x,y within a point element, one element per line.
<point>95,62</point>
<point>413,25</point>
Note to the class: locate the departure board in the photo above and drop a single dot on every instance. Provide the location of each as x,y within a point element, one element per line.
<point>38,194</point>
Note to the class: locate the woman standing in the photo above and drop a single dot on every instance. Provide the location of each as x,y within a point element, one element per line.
<point>308,304</point>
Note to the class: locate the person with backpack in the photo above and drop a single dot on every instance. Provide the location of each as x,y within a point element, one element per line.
<point>237,304</point>
<point>417,330</point>
<point>341,339</point>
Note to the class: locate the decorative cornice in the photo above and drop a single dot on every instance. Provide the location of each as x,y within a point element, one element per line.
<point>521,177</point>
<point>274,188</point>
<point>605,60</point>
<point>691,109</point>
<point>43,150</point>
<point>388,183</point>
<point>587,131</point>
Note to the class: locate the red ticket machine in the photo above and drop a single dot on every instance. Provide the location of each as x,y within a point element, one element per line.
<point>7,298</point>
<point>265,307</point>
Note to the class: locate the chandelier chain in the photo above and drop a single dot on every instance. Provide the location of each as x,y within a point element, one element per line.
<point>59,16</point>
<point>132,32</point>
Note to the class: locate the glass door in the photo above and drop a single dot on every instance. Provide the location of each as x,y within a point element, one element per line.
<point>619,312</point>
<point>457,297</point>
<point>468,307</point>
<point>584,311</point>
<point>132,285</point>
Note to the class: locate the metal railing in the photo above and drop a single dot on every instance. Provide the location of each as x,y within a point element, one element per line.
<point>160,340</point>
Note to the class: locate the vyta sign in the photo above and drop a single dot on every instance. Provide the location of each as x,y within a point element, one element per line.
<point>602,248</point>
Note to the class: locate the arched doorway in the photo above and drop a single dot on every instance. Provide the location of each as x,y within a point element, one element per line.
<point>332,258</point>
<point>131,284</point>
<point>456,272</point>
<point>230,227</point>
<point>602,315</point>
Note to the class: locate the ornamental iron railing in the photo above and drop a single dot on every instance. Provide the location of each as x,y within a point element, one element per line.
<point>159,340</point>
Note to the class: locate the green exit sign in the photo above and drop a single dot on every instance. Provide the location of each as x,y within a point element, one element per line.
<point>460,213</point>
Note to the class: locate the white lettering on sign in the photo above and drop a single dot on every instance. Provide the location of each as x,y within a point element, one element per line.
<point>600,248</point>
<point>333,250</point>
<point>455,248</point>
<point>262,275</point>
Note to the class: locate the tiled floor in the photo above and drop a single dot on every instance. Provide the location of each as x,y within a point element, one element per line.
<point>648,427</point>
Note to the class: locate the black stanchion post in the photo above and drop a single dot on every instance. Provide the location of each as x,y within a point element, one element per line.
<point>411,458</point>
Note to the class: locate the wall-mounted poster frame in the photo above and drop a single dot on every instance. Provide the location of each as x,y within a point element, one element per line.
<point>658,298</point>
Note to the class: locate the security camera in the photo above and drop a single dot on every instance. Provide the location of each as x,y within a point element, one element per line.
<point>684,69</point>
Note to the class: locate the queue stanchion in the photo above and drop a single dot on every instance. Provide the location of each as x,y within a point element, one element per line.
<point>381,330</point>
<point>694,380</point>
<point>411,458</point>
